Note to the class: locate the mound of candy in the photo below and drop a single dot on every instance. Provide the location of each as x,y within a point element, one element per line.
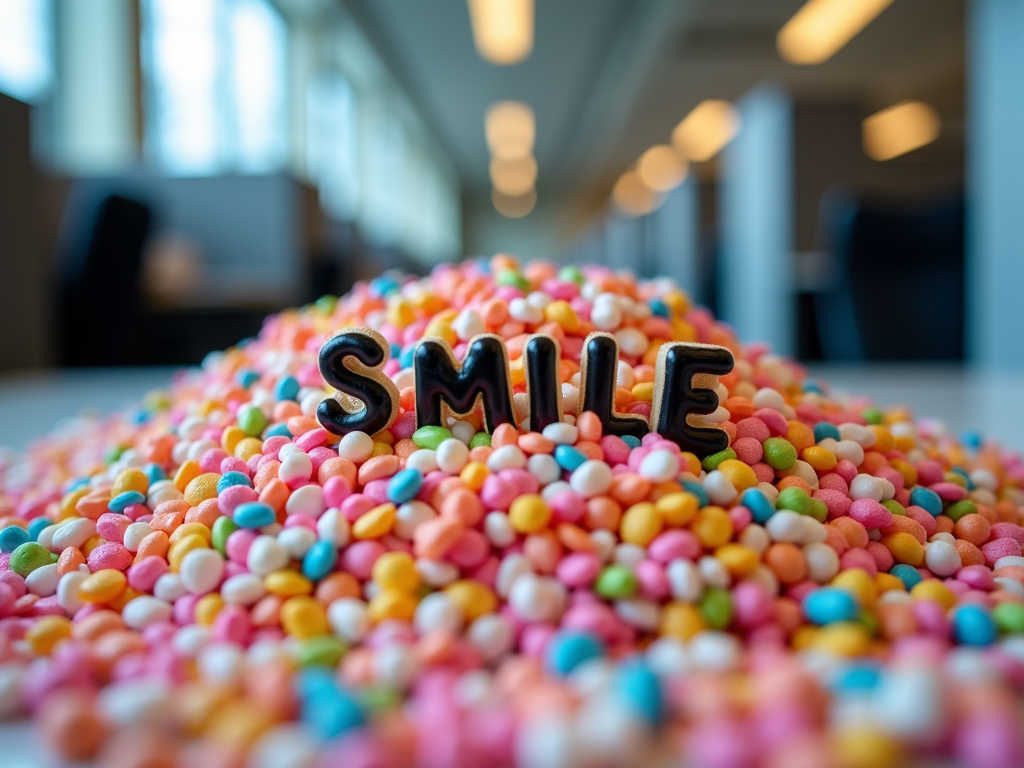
<point>215,579</point>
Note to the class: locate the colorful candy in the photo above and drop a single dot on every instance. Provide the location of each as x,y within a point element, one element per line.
<point>217,578</point>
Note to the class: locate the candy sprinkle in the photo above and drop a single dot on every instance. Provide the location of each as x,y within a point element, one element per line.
<point>212,578</point>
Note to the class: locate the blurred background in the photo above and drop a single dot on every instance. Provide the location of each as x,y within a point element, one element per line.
<point>841,178</point>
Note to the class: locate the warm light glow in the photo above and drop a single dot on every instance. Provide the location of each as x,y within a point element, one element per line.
<point>899,129</point>
<point>510,129</point>
<point>822,27</point>
<point>502,29</point>
<point>633,197</point>
<point>661,168</point>
<point>709,127</point>
<point>514,206</point>
<point>514,177</point>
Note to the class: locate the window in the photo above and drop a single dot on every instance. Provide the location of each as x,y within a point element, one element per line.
<point>26,63</point>
<point>332,137</point>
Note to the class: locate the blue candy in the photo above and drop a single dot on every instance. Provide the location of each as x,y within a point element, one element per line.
<point>254,514</point>
<point>825,429</point>
<point>658,308</point>
<point>858,677</point>
<point>278,430</point>
<point>973,625</point>
<point>908,574</point>
<point>632,442</point>
<point>229,479</point>
<point>287,388</point>
<point>154,472</point>
<point>639,688</point>
<point>828,604</point>
<point>12,537</point>
<point>568,648</point>
<point>697,490</point>
<point>758,504</point>
<point>568,457</point>
<point>247,378</point>
<point>405,359</point>
<point>122,500</point>
<point>35,527</point>
<point>330,710</point>
<point>404,486</point>
<point>82,482</point>
<point>926,499</point>
<point>319,560</point>
<point>812,386</point>
<point>967,478</point>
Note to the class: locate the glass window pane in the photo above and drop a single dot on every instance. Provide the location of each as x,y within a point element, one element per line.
<point>25,47</point>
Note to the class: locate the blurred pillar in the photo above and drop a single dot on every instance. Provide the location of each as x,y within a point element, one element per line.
<point>995,182</point>
<point>756,203</point>
<point>676,237</point>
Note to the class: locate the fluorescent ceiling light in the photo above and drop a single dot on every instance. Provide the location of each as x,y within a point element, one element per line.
<point>633,197</point>
<point>514,206</point>
<point>514,177</point>
<point>822,27</point>
<point>661,168</point>
<point>709,127</point>
<point>502,29</point>
<point>510,129</point>
<point>899,129</point>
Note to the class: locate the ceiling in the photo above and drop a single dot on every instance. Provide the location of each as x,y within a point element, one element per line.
<point>609,78</point>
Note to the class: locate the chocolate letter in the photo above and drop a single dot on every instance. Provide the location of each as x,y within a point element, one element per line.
<point>541,357</point>
<point>599,367</point>
<point>352,362</point>
<point>675,396</point>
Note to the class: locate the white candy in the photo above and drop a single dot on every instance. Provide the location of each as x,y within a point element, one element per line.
<point>297,540</point>
<point>511,568</point>
<point>719,488</point>
<point>202,569</point>
<point>436,573</point>
<point>296,466</point>
<point>221,663</point>
<point>543,466</point>
<point>945,536</point>
<point>348,619</point>
<point>394,666</point>
<point>624,376</point>
<point>984,478</point>
<point>242,589</point>
<point>492,635</point>
<point>549,491</point>
<point>333,527</point>
<point>667,657</point>
<point>307,500</point>
<point>684,580</point>
<point>435,612</point>
<point>859,434</point>
<point>524,312</point>
<point>849,450</point>
<point>468,324</point>
<point>805,472</point>
<point>822,562</point>
<point>265,556</point>
<point>714,572</point>
<point>12,675</point>
<point>591,478</point>
<point>766,397</point>
<point>521,403</point>
<point>356,447</point>
<point>43,581</point>
<point>67,591</point>
<point>506,457</point>
<point>629,555</point>
<point>755,537</point>
<point>570,398</point>
<point>606,316</point>
<point>410,516</point>
<point>546,741</point>
<point>191,427</point>
<point>499,530</point>
<point>766,577</point>
<point>942,558</point>
<point>461,430</point>
<point>785,526</point>
<point>140,612</point>
<point>199,447</point>
<point>131,702</point>
<point>661,466</point>
<point>561,433</point>
<point>604,543</point>
<point>134,534</point>
<point>909,702</point>
<point>169,587</point>
<point>645,615</point>
<point>537,598</point>
<point>770,491</point>
<point>73,533</point>
<point>714,650</point>
<point>424,460</point>
<point>45,537</point>
<point>452,456</point>
<point>632,342</point>
<point>290,745</point>
<point>1016,560</point>
<point>864,487</point>
<point>158,496</point>
<point>287,450</point>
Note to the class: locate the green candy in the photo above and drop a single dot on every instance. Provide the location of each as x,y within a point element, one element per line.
<point>895,507</point>
<point>251,420</point>
<point>818,510</point>
<point>323,651</point>
<point>113,454</point>
<point>378,698</point>
<point>512,278</point>
<point>1009,617</point>
<point>711,462</point>
<point>873,415</point>
<point>870,621</point>
<point>430,437</point>
<point>716,607</point>
<point>779,453</point>
<point>29,556</point>
<point>794,499</point>
<point>326,303</point>
<point>958,509</point>
<point>616,582</point>
<point>571,273</point>
<point>222,528</point>
<point>480,439</point>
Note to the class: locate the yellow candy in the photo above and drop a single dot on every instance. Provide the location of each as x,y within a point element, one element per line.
<point>119,602</point>
<point>248,447</point>
<point>400,312</point>
<point>740,475</point>
<point>201,488</point>
<point>230,439</point>
<point>803,637</point>
<point>391,604</point>
<point>843,638</point>
<point>692,463</point>
<point>682,330</point>
<point>738,559</point>
<point>677,509</point>
<point>560,312</point>
<point>681,620</point>
<point>381,449</point>
<point>474,474</point>
<point>396,570</point>
<point>886,582</point>
<point>188,529</point>
<point>130,480</point>
<point>46,633</point>
<point>529,514</point>
<point>858,583</point>
<point>384,436</point>
<point>186,473</point>
<point>820,459</point>
<point>517,371</point>
<point>67,504</point>
<point>473,597</point>
<point>375,523</point>
<point>884,441</point>
<point>207,608</point>
<point>953,477</point>
<point>442,330</point>
<point>859,747</point>
<point>303,617</point>
<point>933,589</point>
<point>905,548</point>
<point>640,524</point>
<point>905,443</point>
<point>643,392</point>
<point>90,544</point>
<point>238,724</point>
<point>676,301</point>
<point>287,583</point>
<point>102,586</point>
<point>182,547</point>
<point>712,526</point>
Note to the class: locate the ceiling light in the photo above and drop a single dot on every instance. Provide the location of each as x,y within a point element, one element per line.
<point>514,206</point>
<point>822,27</point>
<point>661,168</point>
<point>510,129</point>
<point>633,197</point>
<point>899,129</point>
<point>502,29</point>
<point>709,127</point>
<point>514,177</point>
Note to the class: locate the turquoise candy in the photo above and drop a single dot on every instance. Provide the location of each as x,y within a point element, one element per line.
<point>279,430</point>
<point>430,437</point>
<point>758,504</point>
<point>29,556</point>
<point>857,677</point>
<point>12,537</point>
<point>154,472</point>
<point>254,514</point>
<point>640,689</point>
<point>247,378</point>
<point>328,709</point>
<point>287,388</point>
<point>569,458</point>
<point>908,574</point>
<point>697,490</point>
<point>927,499</point>
<point>319,560</point>
<point>631,441</point>
<point>569,648</point>
<point>404,486</point>
<point>122,500</point>
<point>828,604</point>
<point>36,526</point>
<point>825,429</point>
<point>974,625</point>
<point>229,479</point>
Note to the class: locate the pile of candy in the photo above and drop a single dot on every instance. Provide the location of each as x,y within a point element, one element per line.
<point>214,579</point>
